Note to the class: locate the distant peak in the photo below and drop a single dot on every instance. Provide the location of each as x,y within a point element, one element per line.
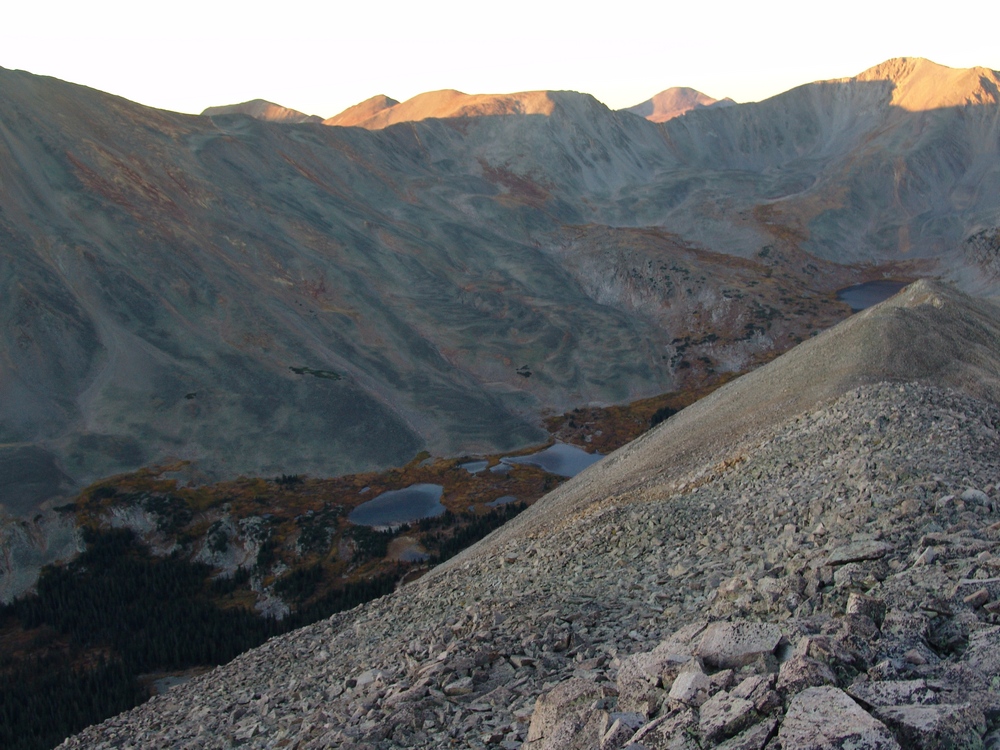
<point>361,112</point>
<point>674,102</point>
<point>261,109</point>
<point>921,84</point>
<point>446,103</point>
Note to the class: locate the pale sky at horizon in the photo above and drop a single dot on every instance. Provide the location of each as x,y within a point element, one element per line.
<point>323,57</point>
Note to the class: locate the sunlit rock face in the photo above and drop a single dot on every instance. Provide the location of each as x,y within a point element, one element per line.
<point>264,297</point>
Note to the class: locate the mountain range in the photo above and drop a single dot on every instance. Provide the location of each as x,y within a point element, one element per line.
<point>265,295</point>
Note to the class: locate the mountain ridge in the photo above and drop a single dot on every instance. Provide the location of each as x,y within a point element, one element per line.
<point>920,84</point>
<point>444,104</point>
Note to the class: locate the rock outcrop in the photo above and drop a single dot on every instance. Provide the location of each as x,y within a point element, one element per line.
<point>833,585</point>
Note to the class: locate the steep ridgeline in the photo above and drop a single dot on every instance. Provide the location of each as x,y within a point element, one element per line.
<point>264,297</point>
<point>818,564</point>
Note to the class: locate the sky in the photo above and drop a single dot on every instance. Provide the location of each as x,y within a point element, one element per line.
<point>322,57</point>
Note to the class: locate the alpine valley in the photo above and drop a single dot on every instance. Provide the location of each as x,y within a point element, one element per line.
<point>221,333</point>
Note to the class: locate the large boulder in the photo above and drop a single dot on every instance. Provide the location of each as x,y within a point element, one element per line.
<point>723,715</point>
<point>825,718</point>
<point>941,727</point>
<point>730,645</point>
<point>565,703</point>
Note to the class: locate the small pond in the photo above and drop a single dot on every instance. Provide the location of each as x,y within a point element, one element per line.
<point>400,506</point>
<point>474,467</point>
<point>501,501</point>
<point>562,459</point>
<point>862,296</point>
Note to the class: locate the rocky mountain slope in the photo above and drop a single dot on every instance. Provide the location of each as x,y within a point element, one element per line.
<point>262,297</point>
<point>674,102</point>
<point>822,574</point>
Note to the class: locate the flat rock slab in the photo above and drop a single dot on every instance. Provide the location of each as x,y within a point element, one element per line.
<point>640,675</point>
<point>825,718</point>
<point>969,586</point>
<point>723,715</point>
<point>892,693</point>
<point>942,727</point>
<point>463,686</point>
<point>691,688</point>
<point>672,732</point>
<point>868,606</point>
<point>731,645</point>
<point>574,733</point>
<point>754,738</point>
<point>858,551</point>
<point>564,701</point>
<point>983,653</point>
<point>617,735</point>
<point>801,672</point>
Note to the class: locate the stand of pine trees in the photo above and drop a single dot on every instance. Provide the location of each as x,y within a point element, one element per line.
<point>118,611</point>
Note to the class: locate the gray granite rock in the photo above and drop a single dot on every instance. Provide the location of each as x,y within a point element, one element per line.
<point>736,644</point>
<point>564,702</point>
<point>867,606</point>
<point>983,652</point>
<point>723,715</point>
<point>691,688</point>
<point>868,549</point>
<point>801,672</point>
<point>676,731</point>
<point>938,727</point>
<point>825,718</point>
<point>874,693</point>
<point>754,738</point>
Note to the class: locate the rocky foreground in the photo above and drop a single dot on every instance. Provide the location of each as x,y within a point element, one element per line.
<point>833,583</point>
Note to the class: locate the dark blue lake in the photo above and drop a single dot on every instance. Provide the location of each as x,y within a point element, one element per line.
<point>564,460</point>
<point>862,296</point>
<point>400,506</point>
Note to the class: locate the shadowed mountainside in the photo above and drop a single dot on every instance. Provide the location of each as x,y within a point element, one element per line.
<point>265,297</point>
